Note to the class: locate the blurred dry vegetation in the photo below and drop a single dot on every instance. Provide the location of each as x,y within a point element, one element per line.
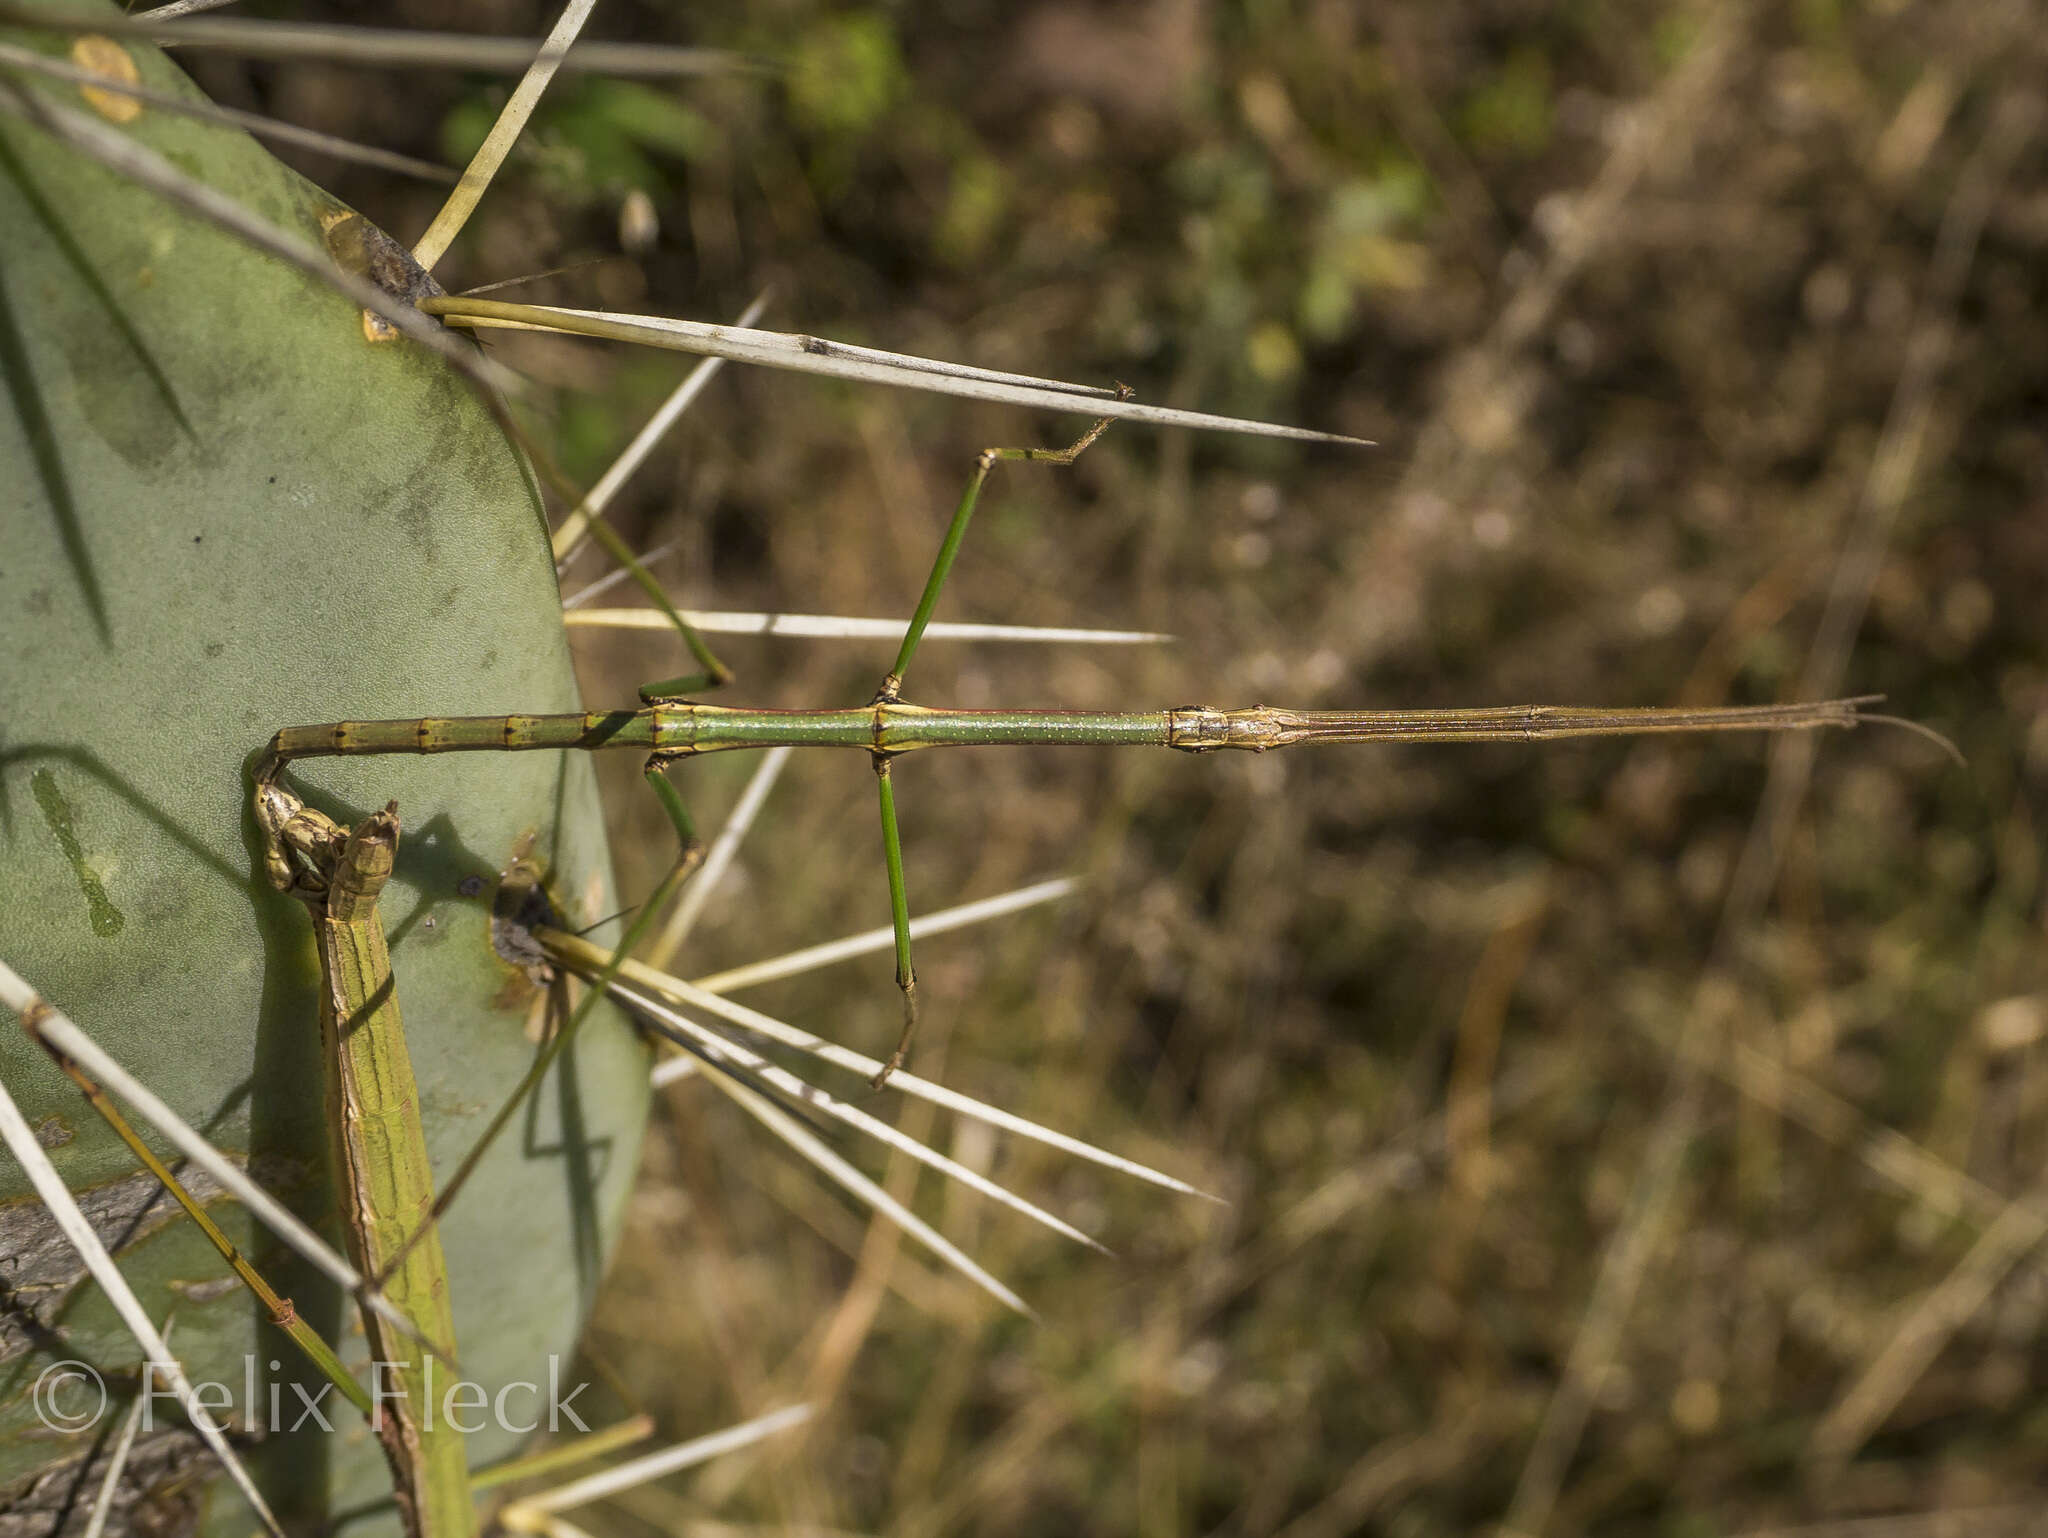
<point>1611,1145</point>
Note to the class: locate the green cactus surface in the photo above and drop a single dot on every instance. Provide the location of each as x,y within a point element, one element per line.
<point>223,509</point>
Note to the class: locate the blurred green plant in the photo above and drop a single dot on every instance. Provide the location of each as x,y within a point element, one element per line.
<point>1510,116</point>
<point>846,76</point>
<point>591,141</point>
<point>1367,240</point>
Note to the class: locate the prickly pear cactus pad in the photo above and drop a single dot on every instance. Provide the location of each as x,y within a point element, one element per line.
<point>224,508</point>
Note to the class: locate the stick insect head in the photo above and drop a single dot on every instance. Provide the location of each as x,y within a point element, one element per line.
<point>299,844</point>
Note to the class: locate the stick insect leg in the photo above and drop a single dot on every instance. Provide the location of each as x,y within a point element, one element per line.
<point>281,1310</point>
<point>892,689</point>
<point>691,855</point>
<point>956,531</point>
<point>711,672</point>
<point>899,913</point>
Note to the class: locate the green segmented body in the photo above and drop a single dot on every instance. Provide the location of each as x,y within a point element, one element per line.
<point>890,727</point>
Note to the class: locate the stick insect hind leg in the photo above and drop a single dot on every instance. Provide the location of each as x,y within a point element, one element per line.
<point>892,689</point>
<point>712,673</point>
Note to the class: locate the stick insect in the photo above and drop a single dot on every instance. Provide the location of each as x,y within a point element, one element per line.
<point>329,867</point>
<point>674,725</point>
